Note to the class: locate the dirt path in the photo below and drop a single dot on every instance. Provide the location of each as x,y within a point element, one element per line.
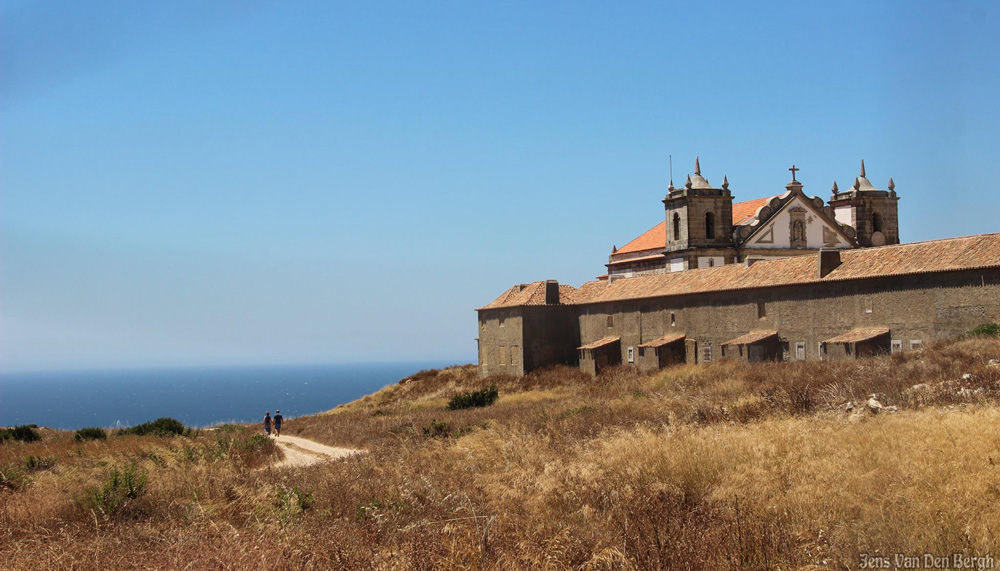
<point>303,452</point>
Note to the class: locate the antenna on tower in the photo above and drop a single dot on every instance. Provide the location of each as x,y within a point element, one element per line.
<point>671,169</point>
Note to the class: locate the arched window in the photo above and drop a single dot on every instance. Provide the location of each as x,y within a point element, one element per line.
<point>876,222</point>
<point>710,226</point>
<point>677,226</point>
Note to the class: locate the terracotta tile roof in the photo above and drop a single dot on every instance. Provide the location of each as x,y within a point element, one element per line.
<point>665,340</point>
<point>921,257</point>
<point>531,294</point>
<point>951,254</point>
<point>653,239</point>
<point>859,334</point>
<point>744,211</point>
<point>752,337</point>
<point>656,237</point>
<point>601,343</point>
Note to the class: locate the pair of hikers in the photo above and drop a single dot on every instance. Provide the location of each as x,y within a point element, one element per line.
<point>276,421</point>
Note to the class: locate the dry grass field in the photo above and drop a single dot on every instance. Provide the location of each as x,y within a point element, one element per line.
<point>724,466</point>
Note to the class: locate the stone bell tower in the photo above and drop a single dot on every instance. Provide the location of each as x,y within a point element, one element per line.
<point>872,212</point>
<point>698,215</point>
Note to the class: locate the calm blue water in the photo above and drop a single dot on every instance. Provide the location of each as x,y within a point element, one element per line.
<point>195,396</point>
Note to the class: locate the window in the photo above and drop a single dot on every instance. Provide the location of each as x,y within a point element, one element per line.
<point>513,354</point>
<point>868,305</point>
<point>642,351</point>
<point>761,310</point>
<point>502,319</point>
<point>820,350</point>
<point>677,226</point>
<point>847,348</point>
<point>800,351</point>
<point>611,321</point>
<point>631,355</point>
<point>673,319</point>
<point>706,353</point>
<point>916,344</point>
<point>897,345</point>
<point>710,226</point>
<point>876,222</point>
<point>503,355</point>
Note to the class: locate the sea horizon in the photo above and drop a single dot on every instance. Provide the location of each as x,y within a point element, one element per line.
<point>197,395</point>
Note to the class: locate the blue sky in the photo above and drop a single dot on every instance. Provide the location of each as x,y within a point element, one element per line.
<point>263,182</point>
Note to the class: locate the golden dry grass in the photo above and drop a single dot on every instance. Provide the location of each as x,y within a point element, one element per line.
<point>728,466</point>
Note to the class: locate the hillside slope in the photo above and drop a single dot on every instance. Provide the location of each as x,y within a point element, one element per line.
<point>725,466</point>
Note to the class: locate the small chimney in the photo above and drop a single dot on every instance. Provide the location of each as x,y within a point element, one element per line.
<point>551,292</point>
<point>829,260</point>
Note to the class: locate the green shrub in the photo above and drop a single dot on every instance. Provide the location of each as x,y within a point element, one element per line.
<point>986,330</point>
<point>24,433</point>
<point>13,478</point>
<point>436,428</point>
<point>92,433</point>
<point>290,502</point>
<point>160,427</point>
<point>35,463</point>
<point>474,399</point>
<point>117,491</point>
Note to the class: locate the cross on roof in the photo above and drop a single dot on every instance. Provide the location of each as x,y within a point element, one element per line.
<point>793,169</point>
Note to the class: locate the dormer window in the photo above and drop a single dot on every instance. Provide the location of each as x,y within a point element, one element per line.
<point>710,226</point>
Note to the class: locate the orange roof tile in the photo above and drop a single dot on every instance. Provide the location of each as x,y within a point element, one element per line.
<point>751,338</point>
<point>859,334</point>
<point>665,340</point>
<point>601,343</point>
<point>653,239</point>
<point>656,237</point>
<point>744,211</point>
<point>951,254</point>
<point>532,294</point>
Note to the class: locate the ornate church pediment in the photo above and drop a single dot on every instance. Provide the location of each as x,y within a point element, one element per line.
<point>794,221</point>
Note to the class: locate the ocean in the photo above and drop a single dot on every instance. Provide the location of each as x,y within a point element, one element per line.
<point>197,397</point>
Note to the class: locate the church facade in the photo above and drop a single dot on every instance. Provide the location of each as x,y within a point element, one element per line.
<point>795,279</point>
<point>704,228</point>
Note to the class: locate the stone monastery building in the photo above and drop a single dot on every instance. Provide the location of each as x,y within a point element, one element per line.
<point>777,278</point>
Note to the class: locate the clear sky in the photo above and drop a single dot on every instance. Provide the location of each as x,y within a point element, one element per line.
<point>189,183</point>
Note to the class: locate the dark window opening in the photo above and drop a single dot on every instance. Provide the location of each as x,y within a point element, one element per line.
<point>673,319</point>
<point>761,310</point>
<point>876,222</point>
<point>677,226</point>
<point>611,321</point>
<point>710,226</point>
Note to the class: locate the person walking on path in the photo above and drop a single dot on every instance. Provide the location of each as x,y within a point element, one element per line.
<point>277,423</point>
<point>267,422</point>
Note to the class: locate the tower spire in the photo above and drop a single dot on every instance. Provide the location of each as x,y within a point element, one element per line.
<point>697,167</point>
<point>862,168</point>
<point>835,189</point>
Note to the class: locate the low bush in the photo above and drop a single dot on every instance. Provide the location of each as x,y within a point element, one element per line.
<point>35,463</point>
<point>160,427</point>
<point>117,491</point>
<point>436,428</point>
<point>986,330</point>
<point>92,433</point>
<point>12,478</point>
<point>23,433</point>
<point>474,399</point>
